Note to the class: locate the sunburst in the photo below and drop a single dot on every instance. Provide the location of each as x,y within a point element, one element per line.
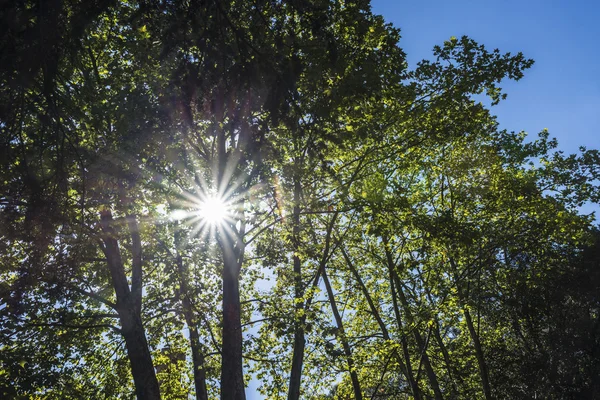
<point>206,212</point>
<point>213,210</point>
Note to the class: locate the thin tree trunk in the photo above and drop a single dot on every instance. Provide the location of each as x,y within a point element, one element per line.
<point>299,338</point>
<point>297,363</point>
<point>446,355</point>
<point>191,321</point>
<point>418,338</point>
<point>384,331</point>
<point>411,378</point>
<point>136,270</point>
<point>483,369</point>
<point>420,343</point>
<point>127,306</point>
<point>342,337</point>
<point>441,344</point>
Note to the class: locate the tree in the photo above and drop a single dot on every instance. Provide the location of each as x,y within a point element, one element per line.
<point>377,233</point>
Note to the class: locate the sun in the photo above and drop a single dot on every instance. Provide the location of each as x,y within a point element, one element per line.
<point>208,214</point>
<point>213,210</point>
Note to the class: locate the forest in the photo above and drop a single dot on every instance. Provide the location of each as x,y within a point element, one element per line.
<point>198,195</point>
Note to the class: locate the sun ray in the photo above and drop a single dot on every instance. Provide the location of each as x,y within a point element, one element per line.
<point>213,210</point>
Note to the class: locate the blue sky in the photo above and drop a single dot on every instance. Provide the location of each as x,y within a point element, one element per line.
<point>560,92</point>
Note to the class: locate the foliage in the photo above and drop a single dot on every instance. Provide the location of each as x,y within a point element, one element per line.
<point>384,237</point>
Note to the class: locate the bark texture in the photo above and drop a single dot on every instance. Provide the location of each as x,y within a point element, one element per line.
<point>232,371</point>
<point>299,338</point>
<point>191,321</point>
<point>128,307</point>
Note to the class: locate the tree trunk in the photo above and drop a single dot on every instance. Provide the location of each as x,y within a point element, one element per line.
<point>297,362</point>
<point>384,331</point>
<point>442,345</point>
<point>418,338</point>
<point>191,321</point>
<point>298,356</point>
<point>230,242</point>
<point>299,339</point>
<point>483,369</point>
<point>142,369</point>
<point>414,385</point>
<point>342,336</point>
<point>440,340</point>
<point>232,370</point>
<point>420,344</point>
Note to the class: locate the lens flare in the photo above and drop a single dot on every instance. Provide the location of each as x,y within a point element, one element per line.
<point>213,210</point>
